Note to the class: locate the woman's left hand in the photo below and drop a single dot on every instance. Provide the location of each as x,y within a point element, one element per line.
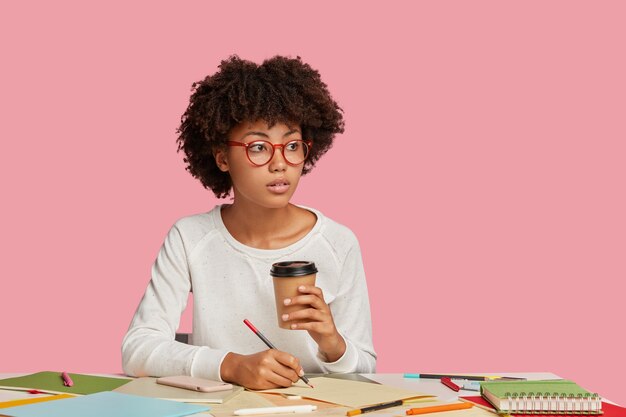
<point>317,320</point>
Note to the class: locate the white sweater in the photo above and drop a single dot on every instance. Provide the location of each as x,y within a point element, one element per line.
<point>231,282</point>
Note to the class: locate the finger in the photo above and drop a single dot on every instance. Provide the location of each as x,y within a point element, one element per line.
<point>309,314</point>
<point>311,326</point>
<point>311,289</point>
<point>288,361</point>
<point>273,374</point>
<point>281,375</point>
<point>277,372</point>
<point>311,300</point>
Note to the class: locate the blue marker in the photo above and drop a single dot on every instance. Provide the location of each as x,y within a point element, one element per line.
<point>467,385</point>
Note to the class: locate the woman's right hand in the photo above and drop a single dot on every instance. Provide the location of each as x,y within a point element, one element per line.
<point>262,370</point>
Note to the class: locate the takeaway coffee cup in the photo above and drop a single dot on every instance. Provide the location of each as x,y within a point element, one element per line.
<point>288,276</point>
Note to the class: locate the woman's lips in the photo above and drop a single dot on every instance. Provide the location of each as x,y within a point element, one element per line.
<point>278,186</point>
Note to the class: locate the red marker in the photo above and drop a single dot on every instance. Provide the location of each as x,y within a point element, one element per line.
<point>67,381</point>
<point>448,383</point>
<point>35,391</point>
<point>271,346</point>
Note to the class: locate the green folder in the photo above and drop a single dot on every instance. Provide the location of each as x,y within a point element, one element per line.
<point>52,382</point>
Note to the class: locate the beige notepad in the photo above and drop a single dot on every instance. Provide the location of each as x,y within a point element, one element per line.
<point>245,399</point>
<point>147,387</point>
<point>349,393</point>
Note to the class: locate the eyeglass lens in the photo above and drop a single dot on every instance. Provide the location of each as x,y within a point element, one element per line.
<point>260,152</point>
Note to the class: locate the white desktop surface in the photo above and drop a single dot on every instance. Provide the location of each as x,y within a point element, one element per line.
<point>435,387</point>
<point>423,385</point>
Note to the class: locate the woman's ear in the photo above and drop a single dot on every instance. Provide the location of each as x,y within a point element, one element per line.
<point>220,159</point>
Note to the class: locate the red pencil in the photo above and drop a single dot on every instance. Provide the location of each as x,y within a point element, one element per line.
<point>271,346</point>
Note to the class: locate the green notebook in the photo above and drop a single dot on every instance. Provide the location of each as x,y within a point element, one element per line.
<point>52,382</point>
<point>558,396</point>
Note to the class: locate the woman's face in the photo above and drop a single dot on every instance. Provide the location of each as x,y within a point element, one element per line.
<point>270,185</point>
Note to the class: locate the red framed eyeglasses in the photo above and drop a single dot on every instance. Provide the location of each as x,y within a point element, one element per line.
<point>261,152</point>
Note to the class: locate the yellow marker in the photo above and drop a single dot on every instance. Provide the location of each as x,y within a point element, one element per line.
<point>15,403</point>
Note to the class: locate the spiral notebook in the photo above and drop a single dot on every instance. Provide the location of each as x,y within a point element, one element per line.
<point>558,396</point>
<point>608,409</point>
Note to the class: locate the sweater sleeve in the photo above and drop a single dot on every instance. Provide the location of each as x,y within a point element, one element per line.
<point>149,348</point>
<point>351,313</point>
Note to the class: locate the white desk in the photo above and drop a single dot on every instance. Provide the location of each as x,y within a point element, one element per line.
<point>435,387</point>
<point>423,385</point>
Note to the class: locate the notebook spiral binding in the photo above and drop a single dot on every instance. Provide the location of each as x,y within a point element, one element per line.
<point>551,403</point>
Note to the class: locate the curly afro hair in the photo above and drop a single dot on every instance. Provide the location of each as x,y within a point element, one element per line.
<point>281,90</point>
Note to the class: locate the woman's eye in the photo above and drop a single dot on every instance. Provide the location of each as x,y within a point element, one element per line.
<point>257,147</point>
<point>293,146</point>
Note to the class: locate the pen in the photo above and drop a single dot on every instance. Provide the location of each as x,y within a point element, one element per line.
<point>67,381</point>
<point>439,376</point>
<point>438,408</point>
<point>271,346</point>
<point>374,408</point>
<point>448,383</point>
<point>276,410</point>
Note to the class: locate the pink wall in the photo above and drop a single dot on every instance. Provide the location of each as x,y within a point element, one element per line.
<point>485,144</point>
